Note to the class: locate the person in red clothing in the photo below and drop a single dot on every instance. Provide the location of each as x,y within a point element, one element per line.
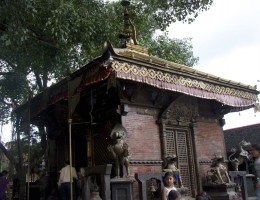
<point>3,184</point>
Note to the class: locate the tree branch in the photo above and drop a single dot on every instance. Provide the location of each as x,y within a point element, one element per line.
<point>41,39</point>
<point>38,80</point>
<point>4,102</point>
<point>7,73</point>
<point>8,155</point>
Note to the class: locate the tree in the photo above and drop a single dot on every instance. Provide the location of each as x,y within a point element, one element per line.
<point>45,38</point>
<point>176,50</point>
<point>41,41</point>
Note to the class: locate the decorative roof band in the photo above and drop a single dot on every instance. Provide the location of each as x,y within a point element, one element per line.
<point>146,162</point>
<point>171,65</point>
<point>179,80</point>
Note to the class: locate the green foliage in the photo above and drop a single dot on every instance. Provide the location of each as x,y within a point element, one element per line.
<point>40,41</point>
<point>175,50</point>
<point>164,12</point>
<point>32,151</point>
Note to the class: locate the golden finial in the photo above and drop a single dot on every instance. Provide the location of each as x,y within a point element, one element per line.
<point>129,34</point>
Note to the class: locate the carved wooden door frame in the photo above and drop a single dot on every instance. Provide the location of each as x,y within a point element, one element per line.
<point>177,136</point>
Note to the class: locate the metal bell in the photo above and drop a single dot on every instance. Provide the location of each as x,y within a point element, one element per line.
<point>153,189</point>
<point>95,196</point>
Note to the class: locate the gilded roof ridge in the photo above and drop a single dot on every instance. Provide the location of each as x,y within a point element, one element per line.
<point>137,54</point>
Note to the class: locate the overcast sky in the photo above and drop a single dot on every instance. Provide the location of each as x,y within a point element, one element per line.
<point>226,39</point>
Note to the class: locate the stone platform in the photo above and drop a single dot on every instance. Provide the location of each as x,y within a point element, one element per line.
<point>221,191</point>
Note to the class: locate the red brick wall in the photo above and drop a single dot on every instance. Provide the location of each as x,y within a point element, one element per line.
<point>209,141</point>
<point>143,137</point>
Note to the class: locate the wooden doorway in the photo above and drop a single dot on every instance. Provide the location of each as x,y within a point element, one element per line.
<point>177,122</point>
<point>178,141</point>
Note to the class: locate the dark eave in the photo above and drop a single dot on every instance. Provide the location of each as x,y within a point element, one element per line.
<point>60,89</point>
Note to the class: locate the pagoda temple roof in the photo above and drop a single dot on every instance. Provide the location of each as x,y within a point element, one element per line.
<point>133,63</point>
<point>167,75</point>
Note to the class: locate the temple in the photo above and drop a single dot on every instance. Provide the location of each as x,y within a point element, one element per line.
<point>165,109</point>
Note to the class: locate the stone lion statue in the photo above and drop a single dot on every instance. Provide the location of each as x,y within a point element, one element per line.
<point>119,150</point>
<point>217,171</point>
<point>239,155</point>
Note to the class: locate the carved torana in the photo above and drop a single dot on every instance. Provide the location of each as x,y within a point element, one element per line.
<point>182,111</point>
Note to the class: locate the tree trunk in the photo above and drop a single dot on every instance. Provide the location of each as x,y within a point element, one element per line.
<point>8,155</point>
<point>43,137</point>
<point>20,171</point>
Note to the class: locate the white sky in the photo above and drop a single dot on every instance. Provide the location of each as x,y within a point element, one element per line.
<point>226,39</point>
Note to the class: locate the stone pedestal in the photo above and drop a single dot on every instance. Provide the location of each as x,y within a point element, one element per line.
<point>245,183</point>
<point>251,193</point>
<point>104,172</point>
<point>122,188</point>
<point>239,177</point>
<point>221,191</point>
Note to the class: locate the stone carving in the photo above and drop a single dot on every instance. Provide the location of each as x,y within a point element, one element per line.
<point>182,111</point>
<point>170,166</point>
<point>119,150</point>
<point>239,155</point>
<point>217,171</point>
<point>86,185</point>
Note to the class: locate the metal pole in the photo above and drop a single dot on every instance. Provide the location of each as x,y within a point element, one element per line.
<point>70,149</point>
<point>28,173</point>
<point>29,151</point>
<point>70,152</point>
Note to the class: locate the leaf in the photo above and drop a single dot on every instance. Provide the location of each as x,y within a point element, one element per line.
<point>8,42</point>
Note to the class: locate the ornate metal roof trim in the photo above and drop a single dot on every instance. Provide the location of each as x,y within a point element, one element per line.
<point>189,86</point>
<point>139,54</point>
